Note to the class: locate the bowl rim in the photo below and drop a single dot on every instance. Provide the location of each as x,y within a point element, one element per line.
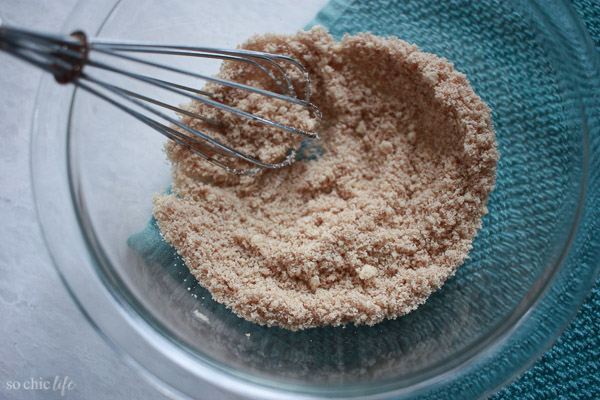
<point>147,339</point>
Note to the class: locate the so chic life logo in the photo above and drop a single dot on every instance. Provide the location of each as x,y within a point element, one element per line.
<point>59,384</point>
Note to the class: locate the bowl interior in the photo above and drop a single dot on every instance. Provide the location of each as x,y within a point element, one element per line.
<point>116,164</point>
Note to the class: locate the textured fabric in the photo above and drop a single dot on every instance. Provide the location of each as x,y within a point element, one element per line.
<point>506,66</point>
<point>571,368</point>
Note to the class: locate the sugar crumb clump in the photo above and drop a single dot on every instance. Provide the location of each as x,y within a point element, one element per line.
<point>371,229</point>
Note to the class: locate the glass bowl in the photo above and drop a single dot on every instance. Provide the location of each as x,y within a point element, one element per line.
<point>95,169</point>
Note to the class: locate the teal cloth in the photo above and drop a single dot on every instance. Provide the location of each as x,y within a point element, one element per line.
<point>571,368</point>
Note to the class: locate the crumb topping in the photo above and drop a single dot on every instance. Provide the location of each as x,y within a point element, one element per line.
<point>371,229</point>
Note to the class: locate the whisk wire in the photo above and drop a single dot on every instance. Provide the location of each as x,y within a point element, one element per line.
<point>65,57</point>
<point>212,145</point>
<point>288,88</point>
<point>211,52</point>
<point>172,108</point>
<point>170,133</point>
<point>219,81</point>
<point>210,102</point>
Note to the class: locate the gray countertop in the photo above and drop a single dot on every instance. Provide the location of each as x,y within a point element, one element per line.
<point>45,338</point>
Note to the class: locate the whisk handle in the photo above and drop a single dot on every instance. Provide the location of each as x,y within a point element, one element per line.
<point>63,56</point>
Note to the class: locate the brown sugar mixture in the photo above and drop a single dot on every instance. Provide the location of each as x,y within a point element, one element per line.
<point>371,229</point>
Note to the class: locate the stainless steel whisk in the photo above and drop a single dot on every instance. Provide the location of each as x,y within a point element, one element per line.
<point>70,59</point>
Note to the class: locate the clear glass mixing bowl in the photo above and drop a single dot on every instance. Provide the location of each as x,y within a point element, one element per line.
<point>95,170</point>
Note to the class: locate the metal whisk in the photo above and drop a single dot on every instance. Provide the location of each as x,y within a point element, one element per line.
<point>71,58</point>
